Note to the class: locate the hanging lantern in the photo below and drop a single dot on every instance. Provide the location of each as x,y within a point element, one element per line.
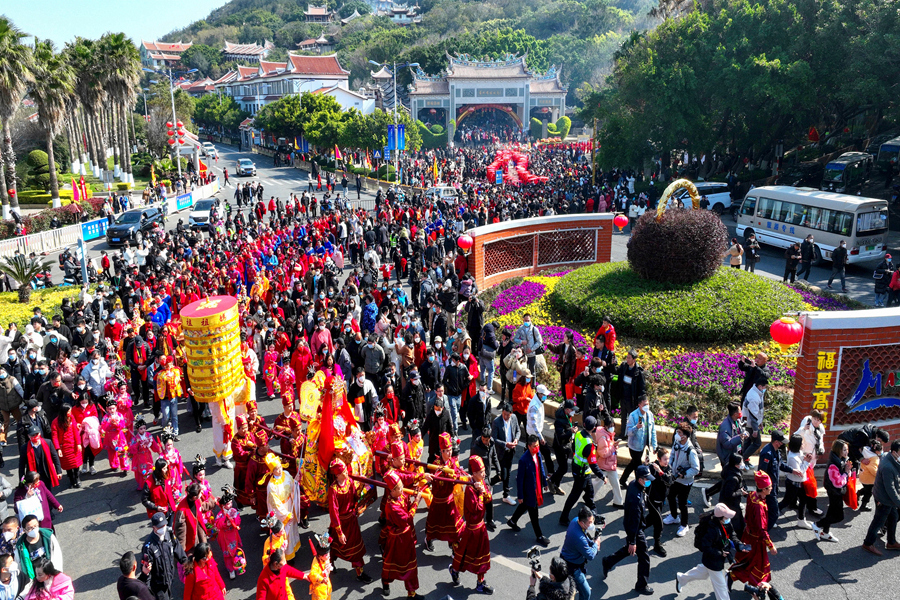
<point>170,132</point>
<point>620,221</point>
<point>432,111</point>
<point>169,124</point>
<point>179,124</point>
<point>465,242</point>
<point>181,141</point>
<point>786,332</point>
<point>170,141</point>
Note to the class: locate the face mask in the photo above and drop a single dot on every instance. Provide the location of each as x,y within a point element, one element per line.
<point>438,411</point>
<point>9,536</point>
<point>13,569</point>
<point>459,330</point>
<point>466,356</point>
<point>3,375</point>
<point>321,296</point>
<point>405,323</point>
<point>417,339</point>
<point>693,421</point>
<point>96,361</point>
<point>590,531</point>
<point>742,467</point>
<point>259,312</point>
<point>534,451</point>
<point>647,484</point>
<point>435,309</point>
<point>42,372</point>
<point>32,356</point>
<point>53,340</point>
<point>12,358</point>
<point>598,370</point>
<point>645,409</point>
<point>161,531</point>
<point>371,345</point>
<point>528,380</point>
<point>430,359</point>
<point>527,323</point>
<point>360,380</point>
<point>726,521</point>
<point>33,533</point>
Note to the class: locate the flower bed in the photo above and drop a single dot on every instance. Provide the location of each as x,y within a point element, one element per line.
<point>516,297</point>
<point>700,370</point>
<point>820,301</point>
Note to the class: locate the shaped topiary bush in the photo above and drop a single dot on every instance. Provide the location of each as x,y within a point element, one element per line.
<point>685,246</point>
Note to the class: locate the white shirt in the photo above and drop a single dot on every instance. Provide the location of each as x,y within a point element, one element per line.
<point>534,418</point>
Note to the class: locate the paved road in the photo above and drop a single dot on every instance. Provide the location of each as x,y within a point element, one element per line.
<point>104,519</point>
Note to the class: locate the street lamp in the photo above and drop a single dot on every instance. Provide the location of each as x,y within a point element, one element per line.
<point>172,96</point>
<point>396,100</point>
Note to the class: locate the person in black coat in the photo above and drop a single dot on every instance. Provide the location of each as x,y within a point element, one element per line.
<point>634,524</point>
<point>717,547</point>
<point>630,386</point>
<point>483,447</point>
<point>52,395</point>
<point>478,409</point>
<point>412,399</point>
<point>733,490</point>
<point>15,366</point>
<point>567,360</point>
<point>128,585</point>
<point>439,325</point>
<point>475,320</point>
<point>531,478</point>
<point>563,432</point>
<point>33,415</point>
<point>436,423</point>
<point>858,438</point>
<point>753,369</point>
<point>159,552</point>
<point>41,448</point>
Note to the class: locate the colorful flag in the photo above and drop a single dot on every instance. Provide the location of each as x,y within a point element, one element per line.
<point>337,153</point>
<point>75,195</point>
<point>434,170</point>
<point>152,176</point>
<point>83,186</point>
<point>296,145</point>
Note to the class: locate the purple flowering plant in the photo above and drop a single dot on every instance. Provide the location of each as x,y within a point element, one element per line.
<point>516,297</point>
<point>699,370</point>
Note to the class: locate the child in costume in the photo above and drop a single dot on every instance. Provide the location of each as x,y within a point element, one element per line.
<point>119,391</point>
<point>270,369</point>
<point>228,527</point>
<point>141,452</point>
<point>198,474</point>
<point>113,428</point>
<point>320,571</point>
<point>172,456</point>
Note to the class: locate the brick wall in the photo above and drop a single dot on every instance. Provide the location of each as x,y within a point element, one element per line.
<point>524,254</point>
<point>834,351</point>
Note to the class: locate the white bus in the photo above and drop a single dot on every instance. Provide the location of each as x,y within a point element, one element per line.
<point>782,215</point>
<point>887,153</point>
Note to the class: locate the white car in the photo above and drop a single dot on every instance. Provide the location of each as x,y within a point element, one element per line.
<point>210,150</point>
<point>443,192</point>
<point>199,216</point>
<point>716,193</point>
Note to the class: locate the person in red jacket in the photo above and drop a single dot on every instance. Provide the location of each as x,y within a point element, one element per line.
<point>202,580</point>
<point>271,584</point>
<point>67,441</point>
<point>608,332</point>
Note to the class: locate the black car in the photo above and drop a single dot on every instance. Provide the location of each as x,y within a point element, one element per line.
<point>132,225</point>
<point>805,174</point>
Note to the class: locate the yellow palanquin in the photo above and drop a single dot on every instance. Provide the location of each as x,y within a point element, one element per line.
<point>333,431</point>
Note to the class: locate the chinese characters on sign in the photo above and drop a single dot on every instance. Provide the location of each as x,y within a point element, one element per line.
<point>784,228</point>
<point>823,389</point>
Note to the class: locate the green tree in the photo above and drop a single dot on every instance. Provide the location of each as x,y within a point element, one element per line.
<point>348,8</point>
<point>54,83</point>
<point>16,63</point>
<point>214,110</point>
<point>201,57</point>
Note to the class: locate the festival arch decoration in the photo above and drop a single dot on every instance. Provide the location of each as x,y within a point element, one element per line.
<point>678,184</point>
<point>212,338</point>
<point>469,110</point>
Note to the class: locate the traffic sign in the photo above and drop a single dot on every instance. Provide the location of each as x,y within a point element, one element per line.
<point>376,154</point>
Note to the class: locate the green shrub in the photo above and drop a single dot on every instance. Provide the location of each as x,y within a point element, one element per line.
<point>437,129</point>
<point>717,396</point>
<point>123,187</point>
<point>536,128</point>
<point>38,159</point>
<point>563,125</point>
<point>436,137</point>
<point>682,247</point>
<point>732,305</point>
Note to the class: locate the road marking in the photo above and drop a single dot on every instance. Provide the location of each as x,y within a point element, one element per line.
<point>525,570</point>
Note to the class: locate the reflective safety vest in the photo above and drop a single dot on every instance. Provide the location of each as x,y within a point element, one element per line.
<point>582,440</point>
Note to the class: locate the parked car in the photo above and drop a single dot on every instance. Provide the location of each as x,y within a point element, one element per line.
<point>716,192</point>
<point>133,225</point>
<point>200,214</point>
<point>245,166</point>
<point>443,192</point>
<point>805,174</point>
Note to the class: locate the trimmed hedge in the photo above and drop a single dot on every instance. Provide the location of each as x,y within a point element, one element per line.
<point>732,305</point>
<point>50,300</point>
<point>436,137</point>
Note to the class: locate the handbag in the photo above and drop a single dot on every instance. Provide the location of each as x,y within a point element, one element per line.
<point>850,498</point>
<point>810,488</point>
<point>30,506</point>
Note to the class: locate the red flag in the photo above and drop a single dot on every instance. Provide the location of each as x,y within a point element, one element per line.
<point>75,195</point>
<point>813,134</point>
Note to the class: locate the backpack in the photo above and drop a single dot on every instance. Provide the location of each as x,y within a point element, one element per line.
<point>701,529</point>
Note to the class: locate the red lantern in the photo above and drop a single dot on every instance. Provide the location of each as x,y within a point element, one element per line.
<point>11,192</point>
<point>181,141</point>
<point>786,332</point>
<point>179,124</point>
<point>170,141</point>
<point>465,242</point>
<point>620,221</point>
<point>170,132</point>
<point>169,124</point>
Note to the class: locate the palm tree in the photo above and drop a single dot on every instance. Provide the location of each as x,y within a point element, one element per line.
<point>15,73</point>
<point>85,60</point>
<point>121,76</point>
<point>54,82</point>
<point>22,270</point>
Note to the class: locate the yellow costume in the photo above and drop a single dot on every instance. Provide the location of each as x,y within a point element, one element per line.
<point>320,580</point>
<point>168,382</point>
<point>274,542</point>
<point>280,500</point>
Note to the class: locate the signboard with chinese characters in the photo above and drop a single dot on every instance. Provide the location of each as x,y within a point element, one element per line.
<point>94,229</point>
<point>868,385</point>
<point>824,386</point>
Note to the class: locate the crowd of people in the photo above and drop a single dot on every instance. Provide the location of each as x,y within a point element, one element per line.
<point>378,311</point>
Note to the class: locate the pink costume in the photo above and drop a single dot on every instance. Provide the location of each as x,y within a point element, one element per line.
<point>286,378</point>
<point>176,468</point>
<point>141,452</point>
<point>113,429</point>
<point>229,537</point>
<point>123,403</point>
<point>270,371</point>
<point>205,495</point>
<point>380,444</point>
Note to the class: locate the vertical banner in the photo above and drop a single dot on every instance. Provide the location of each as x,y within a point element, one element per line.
<point>392,140</point>
<point>401,137</point>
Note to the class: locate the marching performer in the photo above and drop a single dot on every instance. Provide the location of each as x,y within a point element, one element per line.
<point>280,500</point>
<point>243,446</point>
<point>443,522</point>
<point>141,451</point>
<point>319,575</point>
<point>228,528</point>
<point>257,475</point>
<point>400,540</point>
<point>473,554</point>
<point>343,508</point>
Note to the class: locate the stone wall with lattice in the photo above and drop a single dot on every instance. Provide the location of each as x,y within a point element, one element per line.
<point>849,368</point>
<point>527,246</point>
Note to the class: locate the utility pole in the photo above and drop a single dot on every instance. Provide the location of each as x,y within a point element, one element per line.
<point>593,150</point>
<point>175,122</point>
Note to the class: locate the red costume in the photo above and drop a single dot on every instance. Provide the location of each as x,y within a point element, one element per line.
<point>204,582</point>
<point>400,539</point>
<point>443,522</point>
<point>273,586</point>
<point>753,567</point>
<point>243,447</point>
<point>473,554</point>
<point>344,512</point>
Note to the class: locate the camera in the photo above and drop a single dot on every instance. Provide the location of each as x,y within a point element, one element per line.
<point>533,555</point>
<point>681,472</point>
<point>742,547</point>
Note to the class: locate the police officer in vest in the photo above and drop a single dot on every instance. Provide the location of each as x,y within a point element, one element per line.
<point>158,556</point>
<point>584,464</point>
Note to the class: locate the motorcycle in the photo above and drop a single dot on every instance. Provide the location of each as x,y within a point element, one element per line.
<point>42,280</point>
